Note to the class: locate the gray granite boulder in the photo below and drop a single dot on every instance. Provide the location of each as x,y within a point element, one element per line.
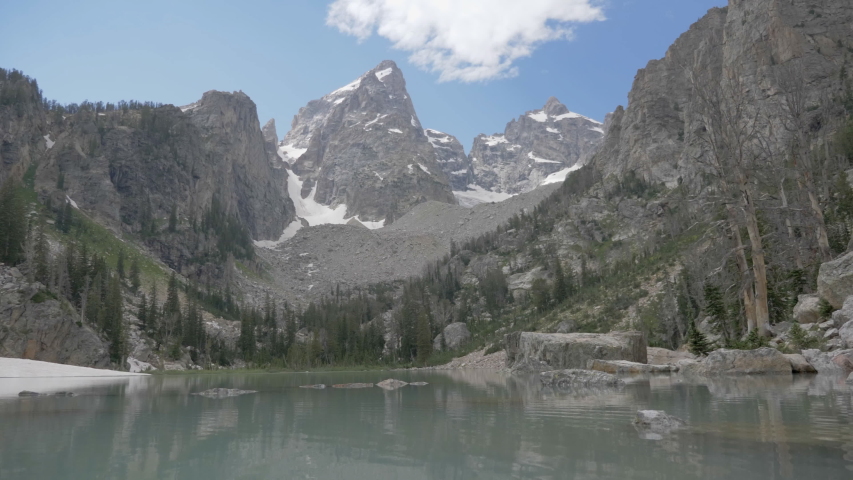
<point>799,364</point>
<point>453,337</point>
<point>831,363</point>
<point>224,392</point>
<point>531,351</point>
<point>391,384</point>
<point>807,309</point>
<point>656,422</point>
<point>761,361</point>
<point>624,366</point>
<point>835,280</point>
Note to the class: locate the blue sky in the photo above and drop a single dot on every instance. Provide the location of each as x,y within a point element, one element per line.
<point>283,54</point>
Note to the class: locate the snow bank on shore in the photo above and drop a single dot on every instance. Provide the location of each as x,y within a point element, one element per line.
<point>20,368</point>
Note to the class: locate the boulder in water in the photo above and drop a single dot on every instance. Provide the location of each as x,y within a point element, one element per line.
<point>353,385</point>
<point>531,351</point>
<point>799,364</point>
<point>652,424</point>
<point>624,366</point>
<point>761,361</point>
<point>391,384</point>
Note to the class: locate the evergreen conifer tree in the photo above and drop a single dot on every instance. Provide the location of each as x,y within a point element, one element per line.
<point>13,223</point>
<point>698,342</point>
<point>134,275</point>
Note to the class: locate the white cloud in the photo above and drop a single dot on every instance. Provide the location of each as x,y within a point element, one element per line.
<point>466,40</point>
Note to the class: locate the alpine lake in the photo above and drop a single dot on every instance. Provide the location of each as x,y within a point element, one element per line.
<point>464,424</point>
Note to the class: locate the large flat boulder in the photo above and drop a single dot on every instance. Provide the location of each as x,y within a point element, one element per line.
<point>845,334</point>
<point>835,280</point>
<point>531,351</point>
<point>453,337</point>
<point>761,361</point>
<point>662,356</point>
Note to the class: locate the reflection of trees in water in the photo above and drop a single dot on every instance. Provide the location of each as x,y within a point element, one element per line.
<point>461,424</point>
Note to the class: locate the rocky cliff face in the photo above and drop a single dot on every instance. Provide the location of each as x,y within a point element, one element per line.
<point>537,144</point>
<point>36,326</point>
<point>450,154</point>
<point>759,41</point>
<point>121,166</point>
<point>362,146</point>
<point>22,124</point>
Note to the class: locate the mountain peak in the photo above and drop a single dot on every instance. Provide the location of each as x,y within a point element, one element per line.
<point>554,107</point>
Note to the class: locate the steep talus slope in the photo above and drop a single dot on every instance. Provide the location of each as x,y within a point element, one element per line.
<point>532,147</point>
<point>362,146</point>
<point>757,41</point>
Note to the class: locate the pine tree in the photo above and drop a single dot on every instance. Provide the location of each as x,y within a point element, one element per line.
<point>13,223</point>
<point>560,289</point>
<point>113,321</point>
<point>120,264</point>
<point>134,275</point>
<point>142,311</point>
<point>60,181</point>
<point>424,344</point>
<point>172,308</point>
<point>800,339</point>
<point>173,219</point>
<point>698,342</point>
<point>42,268</point>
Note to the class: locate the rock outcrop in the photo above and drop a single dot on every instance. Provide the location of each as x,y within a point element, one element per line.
<point>530,351</point>
<point>662,356</point>
<point>451,157</point>
<point>391,384</point>
<point>224,392</point>
<point>532,147</point>
<point>831,363</point>
<point>362,146</point>
<point>34,325</point>
<point>761,361</point>
<point>656,135</point>
<point>123,167</point>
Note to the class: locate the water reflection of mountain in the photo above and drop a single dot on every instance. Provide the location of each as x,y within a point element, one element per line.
<point>464,424</point>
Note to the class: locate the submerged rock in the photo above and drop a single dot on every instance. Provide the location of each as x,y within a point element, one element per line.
<point>418,384</point>
<point>761,361</point>
<point>576,378</point>
<point>353,385</point>
<point>224,392</point>
<point>27,393</point>
<point>318,386</point>
<point>653,423</point>
<point>624,366</point>
<point>530,351</point>
<point>799,364</point>
<point>391,384</point>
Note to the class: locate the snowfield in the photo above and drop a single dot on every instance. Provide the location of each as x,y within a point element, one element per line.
<point>21,368</point>
<point>476,195</point>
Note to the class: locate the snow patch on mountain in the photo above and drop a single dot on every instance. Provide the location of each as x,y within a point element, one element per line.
<point>383,73</point>
<point>48,142</point>
<point>493,140</point>
<point>289,152</point>
<point>539,116</point>
<point>476,195</point>
<point>573,115</point>
<point>559,177</point>
<point>536,159</point>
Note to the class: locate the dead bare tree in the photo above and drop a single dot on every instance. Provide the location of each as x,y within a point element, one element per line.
<point>730,129</point>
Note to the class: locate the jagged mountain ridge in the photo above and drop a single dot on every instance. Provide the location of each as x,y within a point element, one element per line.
<point>362,146</point>
<point>533,146</point>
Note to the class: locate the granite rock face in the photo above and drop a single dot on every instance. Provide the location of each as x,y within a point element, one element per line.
<point>624,366</point>
<point>363,146</point>
<point>450,155</point>
<point>656,135</point>
<point>807,309</point>
<point>530,351</point>
<point>533,146</point>
<point>35,326</point>
<point>120,166</point>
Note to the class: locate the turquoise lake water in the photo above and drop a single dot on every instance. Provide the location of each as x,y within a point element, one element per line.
<point>463,425</point>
